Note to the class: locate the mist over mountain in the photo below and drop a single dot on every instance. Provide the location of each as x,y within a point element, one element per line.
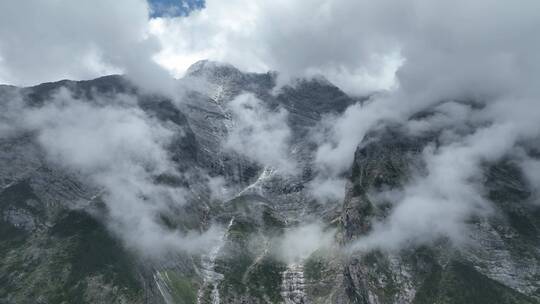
<point>269,152</point>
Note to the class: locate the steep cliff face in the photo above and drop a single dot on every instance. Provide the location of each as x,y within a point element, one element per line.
<point>210,87</point>
<point>55,248</point>
<point>53,253</point>
<point>265,202</point>
<point>486,269</point>
<point>52,218</point>
<point>57,244</point>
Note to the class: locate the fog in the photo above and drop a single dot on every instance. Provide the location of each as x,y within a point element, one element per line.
<point>298,243</point>
<point>112,145</point>
<point>260,134</point>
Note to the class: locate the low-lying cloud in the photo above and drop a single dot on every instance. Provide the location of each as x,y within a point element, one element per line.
<point>110,143</point>
<point>439,203</point>
<point>408,56</point>
<point>259,133</point>
<point>44,41</point>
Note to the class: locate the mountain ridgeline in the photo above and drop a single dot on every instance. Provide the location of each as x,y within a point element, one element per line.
<point>59,242</point>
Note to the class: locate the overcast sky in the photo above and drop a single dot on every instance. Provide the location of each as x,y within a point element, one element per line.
<point>357,44</point>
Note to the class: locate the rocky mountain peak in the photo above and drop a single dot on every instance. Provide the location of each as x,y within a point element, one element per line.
<point>212,70</point>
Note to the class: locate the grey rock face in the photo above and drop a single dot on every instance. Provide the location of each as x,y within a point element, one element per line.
<point>55,247</point>
<point>419,274</point>
<point>293,288</point>
<point>37,196</point>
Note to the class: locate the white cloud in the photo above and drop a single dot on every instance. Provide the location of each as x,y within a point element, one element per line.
<point>459,51</point>
<point>260,133</point>
<point>531,169</point>
<point>44,41</point>
<point>296,38</point>
<point>114,146</point>
<point>92,137</point>
<point>336,148</point>
<point>448,114</point>
<point>327,188</point>
<point>439,203</point>
<point>298,243</point>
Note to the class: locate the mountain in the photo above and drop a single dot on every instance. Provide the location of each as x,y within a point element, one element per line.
<point>499,266</point>
<point>59,243</point>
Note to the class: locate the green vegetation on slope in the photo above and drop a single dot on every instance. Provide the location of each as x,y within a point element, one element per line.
<point>460,283</point>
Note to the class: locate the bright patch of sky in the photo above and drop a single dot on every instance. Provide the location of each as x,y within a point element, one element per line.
<point>173,8</point>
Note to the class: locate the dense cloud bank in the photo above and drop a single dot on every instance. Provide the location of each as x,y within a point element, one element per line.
<point>43,41</point>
